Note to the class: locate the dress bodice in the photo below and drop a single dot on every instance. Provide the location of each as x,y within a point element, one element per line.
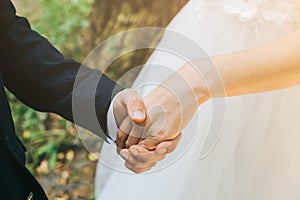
<point>285,13</point>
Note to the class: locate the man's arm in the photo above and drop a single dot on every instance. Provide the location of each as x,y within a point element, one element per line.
<point>41,77</point>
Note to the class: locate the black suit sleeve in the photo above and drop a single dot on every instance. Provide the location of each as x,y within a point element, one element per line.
<point>39,75</point>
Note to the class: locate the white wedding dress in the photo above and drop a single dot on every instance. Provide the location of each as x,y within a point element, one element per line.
<point>256,154</point>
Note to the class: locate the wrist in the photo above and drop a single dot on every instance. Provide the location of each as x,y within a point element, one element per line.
<point>196,82</point>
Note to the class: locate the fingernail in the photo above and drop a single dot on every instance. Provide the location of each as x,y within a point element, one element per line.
<point>138,114</point>
<point>124,155</point>
<point>134,152</point>
<point>162,151</point>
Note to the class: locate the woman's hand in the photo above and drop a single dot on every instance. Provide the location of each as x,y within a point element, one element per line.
<point>170,107</point>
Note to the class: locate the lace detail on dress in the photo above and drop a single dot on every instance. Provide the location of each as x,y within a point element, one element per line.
<point>284,13</point>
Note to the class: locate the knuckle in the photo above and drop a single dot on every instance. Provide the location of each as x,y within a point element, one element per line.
<point>121,135</point>
<point>129,165</point>
<point>143,160</point>
<point>128,144</point>
<point>132,164</point>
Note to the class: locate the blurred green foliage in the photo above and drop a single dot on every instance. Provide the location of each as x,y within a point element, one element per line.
<point>63,23</point>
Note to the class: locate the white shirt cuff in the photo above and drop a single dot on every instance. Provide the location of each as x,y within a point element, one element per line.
<point>111,123</point>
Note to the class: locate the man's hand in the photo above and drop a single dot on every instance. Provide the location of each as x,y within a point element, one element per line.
<point>128,105</point>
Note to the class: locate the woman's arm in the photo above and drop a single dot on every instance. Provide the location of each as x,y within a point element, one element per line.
<point>171,105</point>
<point>273,66</point>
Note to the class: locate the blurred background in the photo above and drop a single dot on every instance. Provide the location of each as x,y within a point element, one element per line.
<point>55,154</point>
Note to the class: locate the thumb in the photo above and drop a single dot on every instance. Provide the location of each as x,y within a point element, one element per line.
<point>136,108</point>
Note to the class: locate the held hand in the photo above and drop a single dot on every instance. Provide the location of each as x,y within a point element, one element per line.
<point>170,107</point>
<point>128,105</point>
<point>159,135</point>
<point>139,159</point>
<point>130,112</point>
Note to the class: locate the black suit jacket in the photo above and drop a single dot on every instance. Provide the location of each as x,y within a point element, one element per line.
<point>33,70</point>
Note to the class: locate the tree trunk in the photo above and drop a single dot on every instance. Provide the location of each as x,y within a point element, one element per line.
<point>109,17</point>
